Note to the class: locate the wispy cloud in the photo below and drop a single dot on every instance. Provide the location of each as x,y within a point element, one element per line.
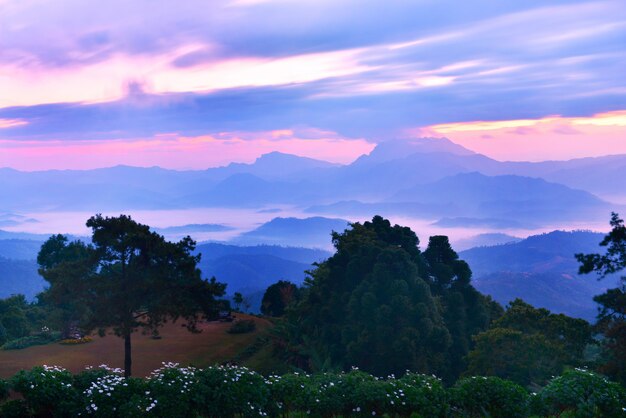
<point>73,71</point>
<point>177,151</point>
<point>552,137</point>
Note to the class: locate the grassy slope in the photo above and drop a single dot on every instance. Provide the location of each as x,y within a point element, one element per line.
<point>212,345</point>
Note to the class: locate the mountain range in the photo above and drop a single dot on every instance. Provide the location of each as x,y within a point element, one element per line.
<point>419,178</point>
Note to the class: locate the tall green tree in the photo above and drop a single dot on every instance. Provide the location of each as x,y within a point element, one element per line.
<point>529,345</point>
<point>128,278</point>
<point>465,311</point>
<point>277,297</point>
<point>376,303</point>
<point>612,315</point>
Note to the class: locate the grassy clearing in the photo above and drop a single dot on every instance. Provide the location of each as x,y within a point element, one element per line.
<point>212,345</point>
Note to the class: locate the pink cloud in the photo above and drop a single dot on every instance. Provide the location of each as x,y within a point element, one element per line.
<point>177,152</point>
<point>539,139</point>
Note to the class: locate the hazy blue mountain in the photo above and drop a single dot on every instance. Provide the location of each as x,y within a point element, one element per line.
<point>277,165</point>
<point>19,276</point>
<point>431,178</point>
<point>484,240</point>
<point>248,190</point>
<point>508,197</point>
<point>19,249</point>
<point>307,232</point>
<point>598,175</point>
<point>190,228</point>
<point>22,236</point>
<point>386,209</point>
<point>250,270</point>
<point>542,270</point>
<point>210,251</point>
<point>490,223</point>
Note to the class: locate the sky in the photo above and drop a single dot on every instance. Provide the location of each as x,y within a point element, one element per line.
<point>196,84</point>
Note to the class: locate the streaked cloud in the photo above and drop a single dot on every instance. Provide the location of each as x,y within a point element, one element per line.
<point>176,151</point>
<point>11,123</point>
<point>552,137</point>
<point>74,71</point>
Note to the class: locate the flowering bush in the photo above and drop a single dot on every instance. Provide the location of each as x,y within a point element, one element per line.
<point>173,389</point>
<point>417,393</point>
<point>112,395</point>
<point>226,391</point>
<point>73,341</point>
<point>231,391</point>
<point>580,393</point>
<point>46,389</point>
<point>290,392</point>
<point>489,396</point>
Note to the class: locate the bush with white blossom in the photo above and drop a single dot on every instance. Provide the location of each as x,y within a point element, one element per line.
<point>232,391</point>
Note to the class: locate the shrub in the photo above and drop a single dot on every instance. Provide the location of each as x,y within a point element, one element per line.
<point>37,339</point>
<point>489,396</point>
<point>47,389</point>
<point>242,326</point>
<point>417,393</point>
<point>226,391</point>
<point>173,390</point>
<point>4,389</point>
<point>580,393</point>
<point>16,408</point>
<point>290,392</point>
<point>111,395</point>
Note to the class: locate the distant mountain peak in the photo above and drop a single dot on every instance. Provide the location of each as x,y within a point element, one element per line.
<point>279,157</point>
<point>401,148</point>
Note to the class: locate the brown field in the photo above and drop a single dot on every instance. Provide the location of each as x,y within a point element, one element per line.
<point>212,345</point>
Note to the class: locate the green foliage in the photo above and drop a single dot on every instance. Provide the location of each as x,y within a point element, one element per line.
<point>112,395</point>
<point>16,408</point>
<point>129,278</point>
<point>226,391</point>
<point>529,345</point>
<point>242,326</point>
<point>370,306</point>
<point>582,394</point>
<point>37,339</point>
<point>382,305</point>
<point>612,316</point>
<point>488,397</point>
<point>47,390</point>
<point>4,389</point>
<point>172,389</point>
<point>277,297</point>
<point>231,391</point>
<point>465,311</point>
<point>358,394</point>
<point>18,318</point>
<point>417,394</point>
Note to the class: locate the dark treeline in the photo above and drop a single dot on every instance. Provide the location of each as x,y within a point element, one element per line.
<point>383,305</point>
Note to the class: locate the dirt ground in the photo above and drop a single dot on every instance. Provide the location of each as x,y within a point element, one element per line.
<point>212,345</point>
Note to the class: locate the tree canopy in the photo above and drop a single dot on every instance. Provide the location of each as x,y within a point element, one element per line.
<point>277,297</point>
<point>128,278</point>
<point>612,315</point>
<point>529,345</point>
<point>381,304</point>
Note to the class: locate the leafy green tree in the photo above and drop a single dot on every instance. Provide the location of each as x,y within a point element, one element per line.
<point>367,305</point>
<point>129,278</point>
<point>529,345</point>
<point>277,297</point>
<point>238,300</point>
<point>612,315</point>
<point>465,311</point>
<point>14,318</point>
